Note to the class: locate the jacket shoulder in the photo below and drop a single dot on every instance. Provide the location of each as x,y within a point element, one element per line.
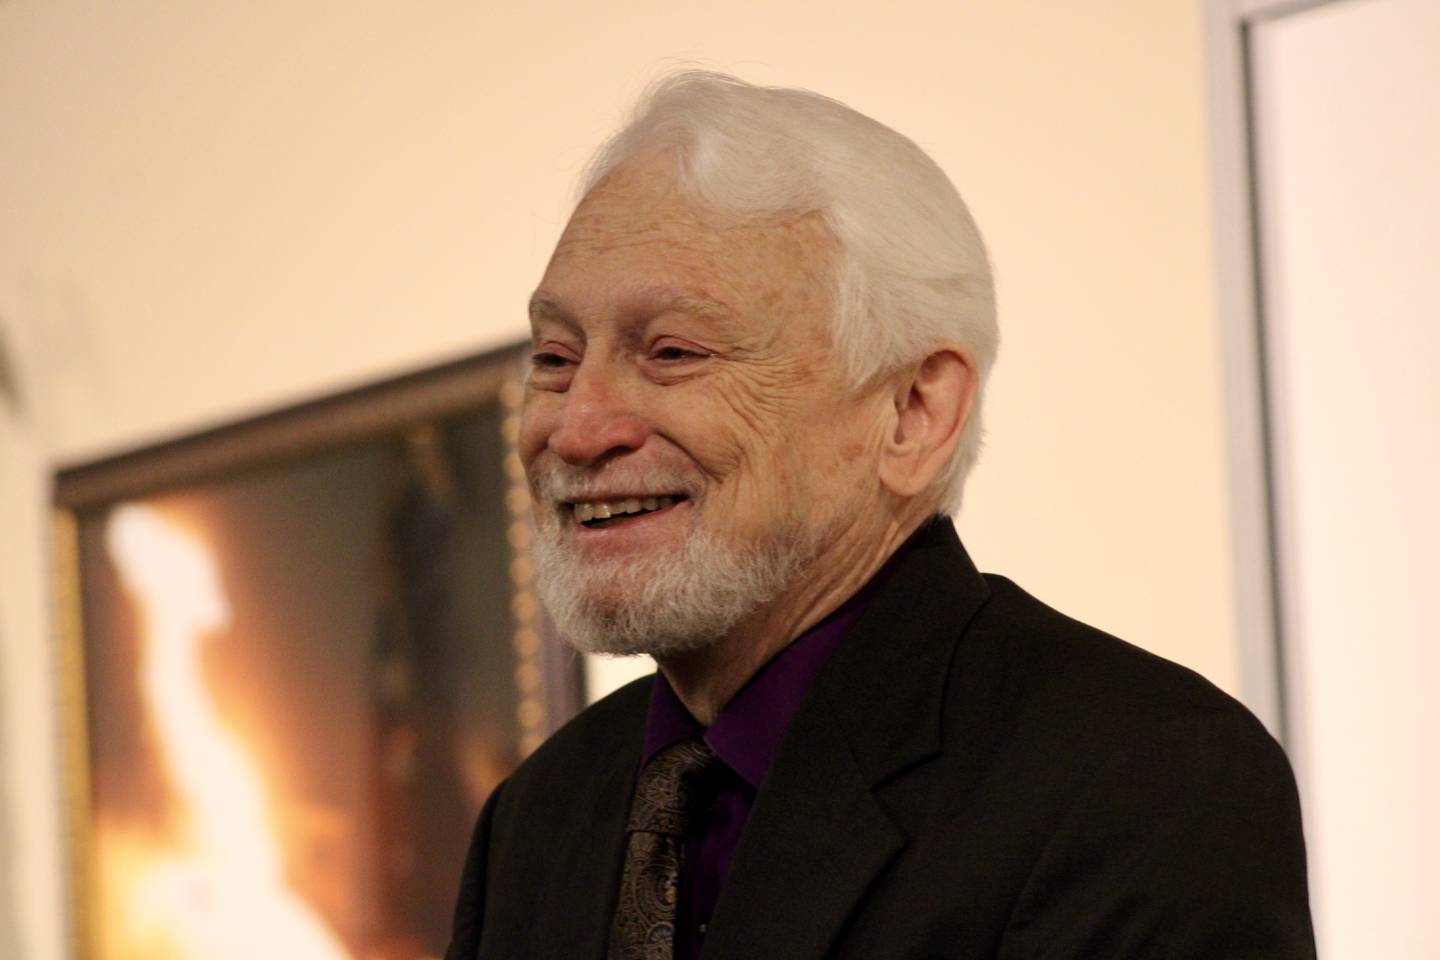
<point>1081,690</point>
<point>541,867</point>
<point>1160,810</point>
<point>590,741</point>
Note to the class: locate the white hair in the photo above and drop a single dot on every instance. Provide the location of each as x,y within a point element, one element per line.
<point>911,271</point>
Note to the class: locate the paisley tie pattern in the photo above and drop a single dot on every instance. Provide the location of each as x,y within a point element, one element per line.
<point>665,794</point>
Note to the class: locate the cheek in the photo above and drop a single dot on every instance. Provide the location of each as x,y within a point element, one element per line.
<point>537,421</point>
<point>839,451</point>
<point>758,433</point>
<point>853,451</point>
<point>772,401</point>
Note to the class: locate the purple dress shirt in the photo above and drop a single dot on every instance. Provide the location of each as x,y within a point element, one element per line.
<point>745,735</point>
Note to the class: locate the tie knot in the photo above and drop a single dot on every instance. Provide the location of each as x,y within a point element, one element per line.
<point>666,791</point>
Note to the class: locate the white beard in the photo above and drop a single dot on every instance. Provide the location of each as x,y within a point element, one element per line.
<point>678,601</point>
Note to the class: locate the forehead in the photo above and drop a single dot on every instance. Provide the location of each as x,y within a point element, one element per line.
<point>636,238</point>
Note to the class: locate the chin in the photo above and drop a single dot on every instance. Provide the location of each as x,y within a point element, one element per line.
<point>684,600</point>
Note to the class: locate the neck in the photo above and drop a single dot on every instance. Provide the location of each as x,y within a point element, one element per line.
<point>706,679</point>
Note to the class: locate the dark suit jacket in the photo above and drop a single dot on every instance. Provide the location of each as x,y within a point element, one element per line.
<point>973,776</point>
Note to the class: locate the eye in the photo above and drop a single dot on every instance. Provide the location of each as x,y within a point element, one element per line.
<point>552,365</point>
<point>545,360</point>
<point>675,353</point>
<point>548,353</point>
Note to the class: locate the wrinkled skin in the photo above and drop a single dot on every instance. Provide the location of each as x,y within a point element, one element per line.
<point>675,356</point>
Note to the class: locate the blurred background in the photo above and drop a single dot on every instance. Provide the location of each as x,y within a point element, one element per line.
<point>1212,428</point>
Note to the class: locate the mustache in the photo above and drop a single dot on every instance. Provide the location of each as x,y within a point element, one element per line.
<point>561,482</point>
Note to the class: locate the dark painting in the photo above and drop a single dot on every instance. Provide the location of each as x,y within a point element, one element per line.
<point>302,676</point>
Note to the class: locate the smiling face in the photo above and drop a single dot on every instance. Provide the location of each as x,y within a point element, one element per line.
<point>694,451</point>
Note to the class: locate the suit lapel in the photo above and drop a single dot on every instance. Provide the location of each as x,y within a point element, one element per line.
<point>593,871</point>
<point>817,837</point>
<point>570,865</point>
<point>814,841</point>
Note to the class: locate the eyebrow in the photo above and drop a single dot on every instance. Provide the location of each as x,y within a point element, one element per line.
<point>700,306</point>
<point>647,301</point>
<point>544,307</point>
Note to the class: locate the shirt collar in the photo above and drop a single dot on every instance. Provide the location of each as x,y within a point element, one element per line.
<point>746,733</point>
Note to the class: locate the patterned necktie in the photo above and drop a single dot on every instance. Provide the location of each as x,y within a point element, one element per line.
<point>665,795</point>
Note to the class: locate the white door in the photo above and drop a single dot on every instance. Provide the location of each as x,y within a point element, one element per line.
<point>1346,120</point>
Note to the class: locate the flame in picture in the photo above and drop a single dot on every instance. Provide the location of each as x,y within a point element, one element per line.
<point>218,890</point>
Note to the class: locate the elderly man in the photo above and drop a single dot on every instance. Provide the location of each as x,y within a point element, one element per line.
<point>758,358</point>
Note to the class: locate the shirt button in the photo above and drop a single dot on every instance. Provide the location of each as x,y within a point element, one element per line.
<point>703,928</point>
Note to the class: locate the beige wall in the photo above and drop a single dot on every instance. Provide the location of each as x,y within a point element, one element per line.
<point>209,210</point>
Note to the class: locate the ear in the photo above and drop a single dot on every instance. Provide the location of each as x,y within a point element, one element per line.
<point>932,404</point>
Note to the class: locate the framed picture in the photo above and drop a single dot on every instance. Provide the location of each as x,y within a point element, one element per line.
<point>297,654</point>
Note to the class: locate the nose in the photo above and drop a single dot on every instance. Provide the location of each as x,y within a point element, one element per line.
<point>598,420</point>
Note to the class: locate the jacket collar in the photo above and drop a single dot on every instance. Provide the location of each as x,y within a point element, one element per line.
<point>817,836</point>
<point>886,684</point>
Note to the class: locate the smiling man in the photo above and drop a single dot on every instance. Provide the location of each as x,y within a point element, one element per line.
<point>758,357</point>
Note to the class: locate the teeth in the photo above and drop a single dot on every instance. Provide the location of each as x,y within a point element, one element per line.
<point>605,509</point>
